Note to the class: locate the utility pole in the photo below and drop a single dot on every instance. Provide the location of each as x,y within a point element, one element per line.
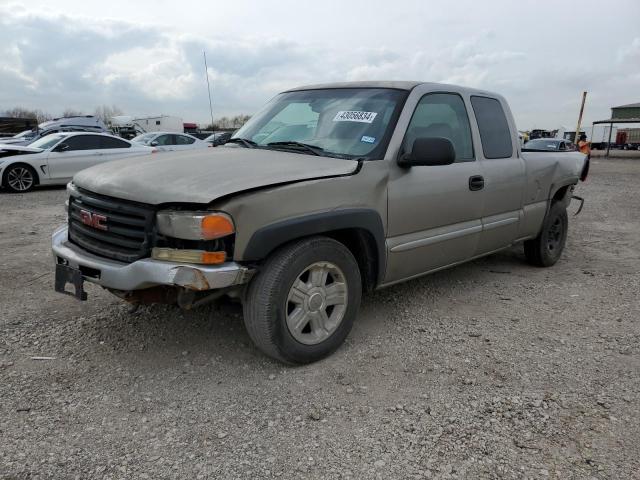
<point>206,71</point>
<point>577,137</point>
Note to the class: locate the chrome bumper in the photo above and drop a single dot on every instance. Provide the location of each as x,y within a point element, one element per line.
<point>147,272</point>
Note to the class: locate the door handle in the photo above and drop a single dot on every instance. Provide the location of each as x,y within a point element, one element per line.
<point>476,182</point>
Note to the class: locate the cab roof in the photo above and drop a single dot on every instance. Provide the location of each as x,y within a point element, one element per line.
<point>394,84</point>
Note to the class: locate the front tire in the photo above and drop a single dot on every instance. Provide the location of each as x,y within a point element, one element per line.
<point>302,304</point>
<point>546,248</point>
<point>19,178</point>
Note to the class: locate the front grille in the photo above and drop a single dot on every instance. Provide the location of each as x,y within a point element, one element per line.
<point>129,226</point>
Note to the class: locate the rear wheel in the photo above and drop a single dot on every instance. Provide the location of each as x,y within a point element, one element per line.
<point>546,248</point>
<point>302,304</point>
<point>19,178</point>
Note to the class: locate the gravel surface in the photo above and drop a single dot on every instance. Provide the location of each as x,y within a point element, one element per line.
<point>493,369</point>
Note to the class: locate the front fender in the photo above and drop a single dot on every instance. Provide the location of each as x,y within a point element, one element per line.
<point>268,238</point>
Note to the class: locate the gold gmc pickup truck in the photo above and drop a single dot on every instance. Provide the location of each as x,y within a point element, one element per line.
<point>328,191</point>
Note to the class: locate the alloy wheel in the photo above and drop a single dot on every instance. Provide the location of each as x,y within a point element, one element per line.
<point>20,179</point>
<point>316,303</point>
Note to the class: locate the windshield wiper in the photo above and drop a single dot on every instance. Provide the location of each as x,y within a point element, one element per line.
<point>298,145</point>
<point>245,142</point>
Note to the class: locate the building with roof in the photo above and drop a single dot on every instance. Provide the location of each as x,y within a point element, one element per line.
<point>629,113</point>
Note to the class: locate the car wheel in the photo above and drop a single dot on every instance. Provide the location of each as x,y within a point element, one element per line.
<point>301,305</point>
<point>546,248</point>
<point>19,178</point>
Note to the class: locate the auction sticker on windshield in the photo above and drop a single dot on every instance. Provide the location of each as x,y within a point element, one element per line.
<point>354,116</point>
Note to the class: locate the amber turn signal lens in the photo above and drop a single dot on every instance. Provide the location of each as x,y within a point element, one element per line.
<point>216,226</point>
<point>213,258</point>
<point>188,256</point>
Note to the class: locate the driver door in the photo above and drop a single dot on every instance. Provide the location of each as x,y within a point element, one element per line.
<point>82,151</point>
<point>434,217</point>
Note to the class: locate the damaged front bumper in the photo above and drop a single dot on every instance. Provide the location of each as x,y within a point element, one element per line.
<point>74,265</point>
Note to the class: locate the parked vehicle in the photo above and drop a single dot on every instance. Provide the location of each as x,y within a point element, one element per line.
<point>538,133</point>
<point>85,123</point>
<point>628,138</point>
<point>329,191</point>
<point>54,159</point>
<point>550,145</point>
<point>124,126</point>
<point>218,138</point>
<point>169,142</point>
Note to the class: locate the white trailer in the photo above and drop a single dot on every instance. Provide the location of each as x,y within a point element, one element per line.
<point>599,136</point>
<point>160,123</point>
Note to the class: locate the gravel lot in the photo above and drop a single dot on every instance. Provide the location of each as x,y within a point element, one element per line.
<point>494,369</point>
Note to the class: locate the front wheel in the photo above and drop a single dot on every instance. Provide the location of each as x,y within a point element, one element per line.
<point>546,248</point>
<point>19,178</point>
<point>301,306</point>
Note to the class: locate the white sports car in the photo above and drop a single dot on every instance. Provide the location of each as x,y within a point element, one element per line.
<point>167,141</point>
<point>56,158</point>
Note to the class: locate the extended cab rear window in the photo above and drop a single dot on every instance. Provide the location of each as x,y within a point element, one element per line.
<point>494,129</point>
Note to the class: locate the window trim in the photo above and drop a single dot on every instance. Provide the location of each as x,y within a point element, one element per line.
<point>473,157</point>
<point>484,155</point>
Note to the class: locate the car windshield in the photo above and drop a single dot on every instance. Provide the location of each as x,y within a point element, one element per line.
<point>339,122</point>
<point>47,142</point>
<point>541,144</point>
<point>145,138</point>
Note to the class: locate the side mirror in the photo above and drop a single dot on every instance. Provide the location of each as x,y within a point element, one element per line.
<point>61,147</point>
<point>429,151</point>
<point>154,143</point>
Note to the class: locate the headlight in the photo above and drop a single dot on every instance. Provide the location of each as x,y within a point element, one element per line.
<point>194,225</point>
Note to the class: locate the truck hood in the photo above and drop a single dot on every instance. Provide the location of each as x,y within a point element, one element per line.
<point>202,176</point>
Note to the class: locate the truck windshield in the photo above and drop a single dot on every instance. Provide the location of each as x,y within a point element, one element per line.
<point>337,122</point>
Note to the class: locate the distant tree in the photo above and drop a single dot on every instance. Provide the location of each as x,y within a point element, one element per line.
<point>70,112</point>
<point>21,112</point>
<point>239,120</point>
<point>228,122</point>
<point>106,112</point>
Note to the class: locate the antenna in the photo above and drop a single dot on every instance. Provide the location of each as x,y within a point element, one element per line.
<point>206,71</point>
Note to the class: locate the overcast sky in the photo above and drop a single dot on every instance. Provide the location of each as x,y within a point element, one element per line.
<point>146,57</point>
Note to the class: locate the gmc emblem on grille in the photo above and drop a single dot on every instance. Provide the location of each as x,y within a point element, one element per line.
<point>94,220</point>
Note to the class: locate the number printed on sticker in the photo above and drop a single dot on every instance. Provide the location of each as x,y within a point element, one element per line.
<point>354,116</point>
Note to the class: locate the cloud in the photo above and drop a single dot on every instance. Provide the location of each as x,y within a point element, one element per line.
<point>630,53</point>
<point>51,61</point>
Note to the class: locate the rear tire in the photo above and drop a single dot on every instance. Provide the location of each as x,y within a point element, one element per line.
<point>302,304</point>
<point>545,250</point>
<point>19,178</point>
